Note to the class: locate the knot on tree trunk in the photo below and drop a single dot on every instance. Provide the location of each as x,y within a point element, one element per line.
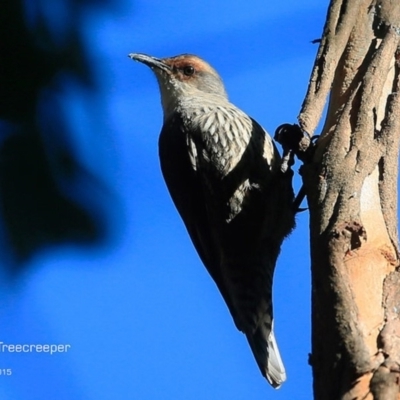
<point>347,236</point>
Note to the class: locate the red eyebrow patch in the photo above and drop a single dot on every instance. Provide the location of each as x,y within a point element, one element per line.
<point>188,59</point>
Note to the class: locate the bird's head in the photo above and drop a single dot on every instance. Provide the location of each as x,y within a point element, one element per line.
<point>182,77</point>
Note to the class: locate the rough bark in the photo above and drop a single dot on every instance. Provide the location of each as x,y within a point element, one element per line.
<point>351,186</point>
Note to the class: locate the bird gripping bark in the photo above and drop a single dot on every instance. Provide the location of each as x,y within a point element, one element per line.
<point>223,173</point>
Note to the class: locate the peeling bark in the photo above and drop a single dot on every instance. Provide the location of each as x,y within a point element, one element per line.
<point>351,186</point>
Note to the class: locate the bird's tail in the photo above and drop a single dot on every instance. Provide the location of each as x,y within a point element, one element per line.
<point>266,352</point>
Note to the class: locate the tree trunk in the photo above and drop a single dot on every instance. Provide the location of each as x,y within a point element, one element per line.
<point>351,186</point>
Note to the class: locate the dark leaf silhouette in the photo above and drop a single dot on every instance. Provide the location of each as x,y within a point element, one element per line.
<point>43,185</point>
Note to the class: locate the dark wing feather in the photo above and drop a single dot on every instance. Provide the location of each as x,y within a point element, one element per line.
<point>186,190</point>
<point>238,236</point>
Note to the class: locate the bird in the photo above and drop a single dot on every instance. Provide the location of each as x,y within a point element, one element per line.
<point>223,173</point>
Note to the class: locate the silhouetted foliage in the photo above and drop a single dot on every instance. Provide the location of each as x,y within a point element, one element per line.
<point>43,185</point>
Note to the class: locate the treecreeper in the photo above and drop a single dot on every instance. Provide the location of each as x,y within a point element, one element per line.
<point>223,173</point>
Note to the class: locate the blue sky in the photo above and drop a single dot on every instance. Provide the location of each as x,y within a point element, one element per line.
<point>143,318</point>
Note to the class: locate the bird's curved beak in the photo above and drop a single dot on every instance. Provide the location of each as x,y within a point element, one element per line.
<point>150,61</point>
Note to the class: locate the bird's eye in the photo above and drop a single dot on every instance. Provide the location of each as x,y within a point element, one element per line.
<point>188,70</point>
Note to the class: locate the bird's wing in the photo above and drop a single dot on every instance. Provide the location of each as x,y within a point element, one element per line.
<point>246,200</point>
<point>241,257</point>
<point>186,190</point>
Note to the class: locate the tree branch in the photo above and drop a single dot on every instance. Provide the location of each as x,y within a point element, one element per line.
<point>350,185</point>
